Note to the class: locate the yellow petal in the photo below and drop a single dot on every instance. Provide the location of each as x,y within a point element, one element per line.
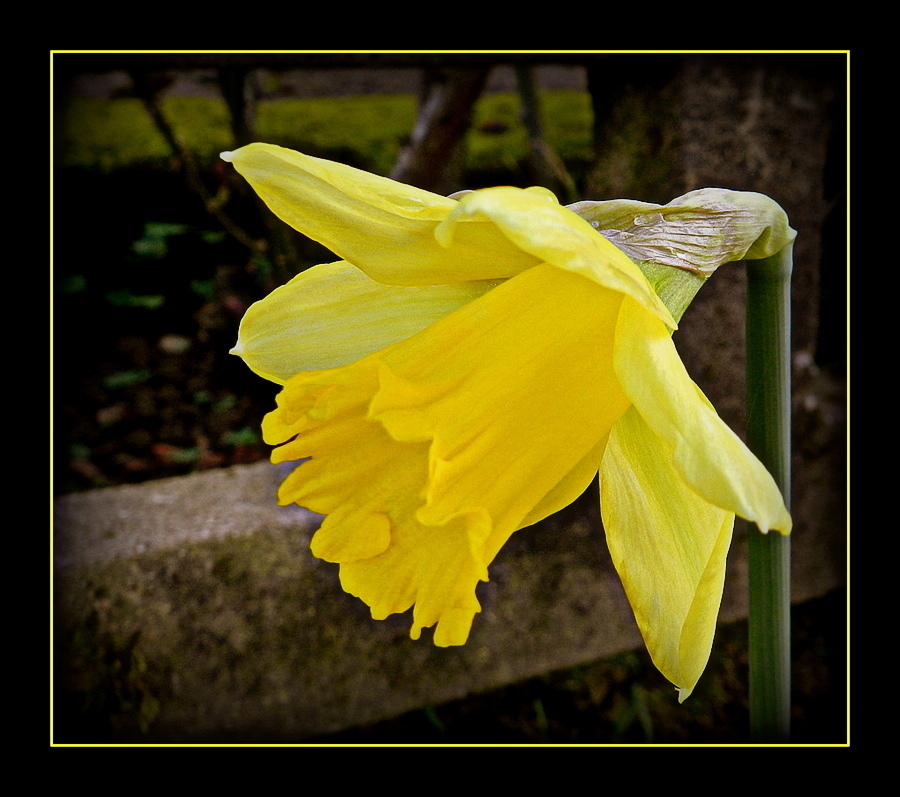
<point>514,390</point>
<point>325,411</point>
<point>710,457</point>
<point>333,314</point>
<point>381,226</point>
<point>369,486</point>
<point>535,222</point>
<point>434,567</point>
<point>445,443</point>
<point>669,547</point>
<point>572,485</point>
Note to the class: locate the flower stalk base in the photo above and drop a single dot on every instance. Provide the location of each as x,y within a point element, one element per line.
<point>768,436</point>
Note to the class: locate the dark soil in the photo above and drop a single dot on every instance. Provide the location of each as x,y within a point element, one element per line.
<point>144,386</point>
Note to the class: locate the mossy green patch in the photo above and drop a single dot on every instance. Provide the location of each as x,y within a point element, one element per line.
<point>366,131</point>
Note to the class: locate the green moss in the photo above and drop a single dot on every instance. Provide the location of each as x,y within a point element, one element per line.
<point>568,120</point>
<point>366,131</point>
<point>106,134</point>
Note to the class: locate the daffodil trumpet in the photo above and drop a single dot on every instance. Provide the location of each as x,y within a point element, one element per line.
<point>467,367</point>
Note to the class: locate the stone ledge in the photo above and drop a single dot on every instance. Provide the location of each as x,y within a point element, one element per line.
<point>243,636</point>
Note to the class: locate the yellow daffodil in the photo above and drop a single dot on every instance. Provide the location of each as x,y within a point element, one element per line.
<point>464,371</point>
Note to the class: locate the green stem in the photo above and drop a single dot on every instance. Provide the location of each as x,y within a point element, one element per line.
<point>677,287</point>
<point>769,437</point>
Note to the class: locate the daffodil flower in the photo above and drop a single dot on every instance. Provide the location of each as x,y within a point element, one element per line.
<point>464,371</point>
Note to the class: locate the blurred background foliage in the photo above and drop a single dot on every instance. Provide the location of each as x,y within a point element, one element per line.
<point>109,134</point>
